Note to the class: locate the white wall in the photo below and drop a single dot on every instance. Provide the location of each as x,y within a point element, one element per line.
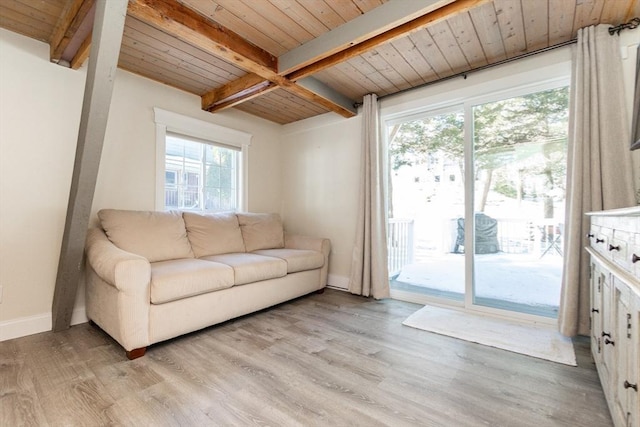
<point>321,166</point>
<point>128,157</point>
<point>40,106</point>
<point>39,117</point>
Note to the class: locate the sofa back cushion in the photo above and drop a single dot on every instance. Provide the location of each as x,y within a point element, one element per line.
<point>213,234</point>
<point>157,236</point>
<point>261,231</point>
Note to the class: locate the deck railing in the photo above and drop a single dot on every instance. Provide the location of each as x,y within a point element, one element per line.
<point>400,244</point>
<point>515,235</point>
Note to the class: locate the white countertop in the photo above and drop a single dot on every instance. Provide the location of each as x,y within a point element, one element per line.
<point>632,211</point>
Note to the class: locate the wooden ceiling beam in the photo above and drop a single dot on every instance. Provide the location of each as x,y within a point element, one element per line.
<point>82,54</point>
<point>190,27</point>
<point>316,91</point>
<point>309,89</point>
<point>447,11</point>
<point>241,88</point>
<point>68,23</point>
<point>238,99</point>
<point>379,20</point>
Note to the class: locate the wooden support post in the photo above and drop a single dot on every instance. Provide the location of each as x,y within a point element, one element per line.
<point>106,39</point>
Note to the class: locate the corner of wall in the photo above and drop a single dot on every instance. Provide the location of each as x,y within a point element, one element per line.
<point>338,282</point>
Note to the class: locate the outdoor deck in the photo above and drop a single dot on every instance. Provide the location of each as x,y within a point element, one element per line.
<point>524,275</point>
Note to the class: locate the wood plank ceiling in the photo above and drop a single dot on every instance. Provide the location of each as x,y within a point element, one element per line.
<point>287,60</point>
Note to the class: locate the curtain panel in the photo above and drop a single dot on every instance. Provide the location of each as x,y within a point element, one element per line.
<point>599,170</point>
<point>369,270</point>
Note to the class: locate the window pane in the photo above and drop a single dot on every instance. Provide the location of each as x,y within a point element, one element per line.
<point>427,206</point>
<point>227,201</point>
<point>199,176</point>
<point>226,178</point>
<point>212,199</point>
<point>226,158</point>
<point>170,178</point>
<point>520,148</point>
<point>213,177</point>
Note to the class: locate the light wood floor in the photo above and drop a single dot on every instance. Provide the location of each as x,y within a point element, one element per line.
<point>332,359</point>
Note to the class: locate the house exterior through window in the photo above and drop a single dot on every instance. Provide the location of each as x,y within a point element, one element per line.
<point>200,176</point>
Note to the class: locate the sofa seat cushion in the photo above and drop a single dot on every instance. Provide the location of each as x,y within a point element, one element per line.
<point>182,278</point>
<point>296,259</point>
<point>249,268</point>
<point>213,234</point>
<point>157,236</point>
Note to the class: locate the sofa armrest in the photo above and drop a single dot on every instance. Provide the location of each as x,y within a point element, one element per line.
<point>118,291</point>
<point>123,270</point>
<point>296,241</point>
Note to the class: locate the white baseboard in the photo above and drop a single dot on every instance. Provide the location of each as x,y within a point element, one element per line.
<point>338,282</point>
<point>23,326</point>
<point>29,325</point>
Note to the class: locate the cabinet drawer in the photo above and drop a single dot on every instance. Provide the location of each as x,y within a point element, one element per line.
<point>634,255</point>
<point>600,242</point>
<point>617,248</point>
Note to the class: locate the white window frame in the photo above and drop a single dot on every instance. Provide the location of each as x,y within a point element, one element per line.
<point>167,121</point>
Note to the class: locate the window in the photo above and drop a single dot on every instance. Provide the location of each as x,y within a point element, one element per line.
<point>207,175</point>
<point>200,166</point>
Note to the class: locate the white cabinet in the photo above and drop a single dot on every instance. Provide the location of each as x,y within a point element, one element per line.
<point>615,309</point>
<point>626,387</point>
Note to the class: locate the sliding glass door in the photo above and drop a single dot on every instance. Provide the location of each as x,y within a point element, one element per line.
<point>427,204</point>
<point>476,203</point>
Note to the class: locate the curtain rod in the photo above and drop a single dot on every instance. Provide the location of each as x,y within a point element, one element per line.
<point>634,23</point>
<point>464,74</point>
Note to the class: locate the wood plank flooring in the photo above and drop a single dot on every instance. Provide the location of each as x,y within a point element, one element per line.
<point>323,360</point>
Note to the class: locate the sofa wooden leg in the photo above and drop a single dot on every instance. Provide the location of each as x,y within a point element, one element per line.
<point>136,352</point>
<point>320,291</point>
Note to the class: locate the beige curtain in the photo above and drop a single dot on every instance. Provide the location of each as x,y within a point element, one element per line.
<point>369,272</point>
<point>599,173</point>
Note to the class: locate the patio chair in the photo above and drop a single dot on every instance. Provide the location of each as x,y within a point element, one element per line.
<point>553,235</point>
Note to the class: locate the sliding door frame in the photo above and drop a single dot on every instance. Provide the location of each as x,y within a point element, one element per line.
<point>469,189</point>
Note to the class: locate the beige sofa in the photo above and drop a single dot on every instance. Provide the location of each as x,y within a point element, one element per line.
<point>152,276</point>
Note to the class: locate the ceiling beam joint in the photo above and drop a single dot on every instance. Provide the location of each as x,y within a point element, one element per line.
<point>68,23</point>
<point>420,16</point>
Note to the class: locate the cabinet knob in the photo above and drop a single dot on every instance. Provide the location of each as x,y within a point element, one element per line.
<point>595,310</point>
<point>635,258</point>
<point>608,341</point>
<point>627,384</point>
<point>614,248</point>
<point>599,240</point>
<point>590,235</point>
<point>606,334</point>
